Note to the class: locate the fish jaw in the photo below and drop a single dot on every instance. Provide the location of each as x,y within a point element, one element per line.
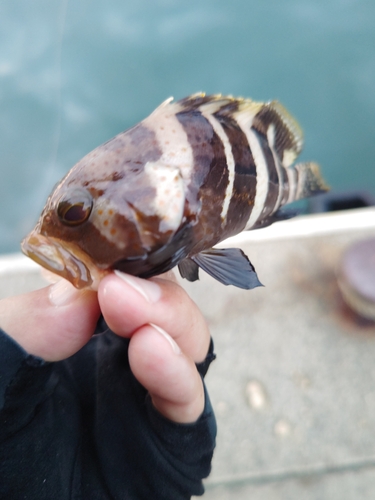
<point>64,260</point>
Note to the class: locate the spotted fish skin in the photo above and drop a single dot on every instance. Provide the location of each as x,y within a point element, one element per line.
<point>164,192</point>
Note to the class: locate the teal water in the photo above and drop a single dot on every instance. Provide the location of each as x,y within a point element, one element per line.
<point>73,73</point>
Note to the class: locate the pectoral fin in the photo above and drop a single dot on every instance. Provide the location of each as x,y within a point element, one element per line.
<point>189,269</point>
<point>230,266</point>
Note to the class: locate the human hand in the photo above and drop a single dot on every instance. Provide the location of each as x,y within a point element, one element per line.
<point>145,310</point>
<point>55,322</point>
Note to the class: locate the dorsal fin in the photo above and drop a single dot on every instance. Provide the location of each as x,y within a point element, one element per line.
<point>162,106</point>
<point>270,119</point>
<point>274,121</point>
<point>194,101</point>
<point>200,100</point>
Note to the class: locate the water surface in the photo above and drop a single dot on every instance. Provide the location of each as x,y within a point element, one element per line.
<point>75,73</point>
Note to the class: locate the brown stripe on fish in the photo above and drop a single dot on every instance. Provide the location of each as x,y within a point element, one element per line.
<point>244,117</point>
<point>194,101</point>
<point>285,188</point>
<point>229,107</point>
<point>210,176</point>
<point>285,139</point>
<point>271,133</point>
<point>273,177</point>
<point>288,134</point>
<point>216,125</point>
<point>225,107</point>
<point>267,123</point>
<point>89,238</point>
<point>226,104</point>
<point>244,185</point>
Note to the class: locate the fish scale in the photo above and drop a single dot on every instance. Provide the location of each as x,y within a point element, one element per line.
<point>164,192</point>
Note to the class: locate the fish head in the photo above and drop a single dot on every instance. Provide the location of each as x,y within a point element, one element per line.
<point>79,235</point>
<point>105,212</point>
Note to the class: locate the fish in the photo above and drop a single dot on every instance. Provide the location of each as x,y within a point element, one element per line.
<point>166,191</point>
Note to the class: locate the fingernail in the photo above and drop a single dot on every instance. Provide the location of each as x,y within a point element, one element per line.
<point>175,346</point>
<point>148,289</point>
<point>62,293</point>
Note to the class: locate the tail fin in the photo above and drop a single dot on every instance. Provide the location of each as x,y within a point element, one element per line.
<point>310,182</point>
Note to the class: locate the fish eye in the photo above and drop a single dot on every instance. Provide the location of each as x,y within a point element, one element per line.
<point>75,207</point>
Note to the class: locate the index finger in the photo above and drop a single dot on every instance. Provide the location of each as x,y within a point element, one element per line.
<point>128,302</point>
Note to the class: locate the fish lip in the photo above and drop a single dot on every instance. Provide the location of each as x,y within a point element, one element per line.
<point>64,260</point>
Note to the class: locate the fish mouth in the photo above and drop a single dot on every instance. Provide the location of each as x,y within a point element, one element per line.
<point>62,259</point>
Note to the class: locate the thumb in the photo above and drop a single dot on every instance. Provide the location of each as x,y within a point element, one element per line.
<point>53,322</point>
